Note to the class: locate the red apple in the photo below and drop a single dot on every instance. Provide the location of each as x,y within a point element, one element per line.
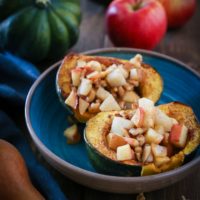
<point>178,11</point>
<point>138,117</point>
<point>136,23</point>
<point>178,135</point>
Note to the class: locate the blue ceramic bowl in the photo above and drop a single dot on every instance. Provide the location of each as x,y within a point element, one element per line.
<point>46,119</point>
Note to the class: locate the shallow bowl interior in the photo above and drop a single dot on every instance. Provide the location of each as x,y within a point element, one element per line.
<point>47,119</point>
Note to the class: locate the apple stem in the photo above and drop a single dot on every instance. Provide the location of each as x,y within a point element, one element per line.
<point>137,5</point>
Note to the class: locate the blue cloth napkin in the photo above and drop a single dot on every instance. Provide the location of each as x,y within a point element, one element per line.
<point>16,77</point>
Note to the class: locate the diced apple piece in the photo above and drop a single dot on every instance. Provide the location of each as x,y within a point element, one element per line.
<point>72,99</point>
<point>165,140</point>
<point>146,104</point>
<point>174,121</point>
<point>146,152</point>
<point>85,87</point>
<point>116,78</point>
<point>111,68</point>
<point>134,74</point>
<point>123,71</point>
<point>119,124</point>
<point>91,96</point>
<point>93,76</point>
<point>150,158</point>
<point>149,109</point>
<point>115,141</point>
<point>131,141</point>
<point>161,161</point>
<point>81,63</point>
<point>82,106</point>
<point>158,150</point>
<point>138,117</point>
<point>130,96</point>
<point>136,131</point>
<point>76,75</point>
<point>159,129</point>
<point>102,93</point>
<point>124,153</point>
<point>95,65</point>
<point>178,135</point>
<point>72,134</point>
<point>163,120</point>
<point>152,136</point>
<point>109,104</point>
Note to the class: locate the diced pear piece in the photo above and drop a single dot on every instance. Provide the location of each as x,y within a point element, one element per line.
<point>102,93</point>
<point>115,141</point>
<point>109,104</point>
<point>83,105</point>
<point>146,152</point>
<point>178,135</point>
<point>137,60</point>
<point>158,150</point>
<point>95,65</point>
<point>72,134</point>
<point>162,119</point>
<point>72,99</point>
<point>76,75</point>
<point>138,117</point>
<point>81,63</point>
<point>85,87</point>
<point>124,153</point>
<point>152,136</point>
<point>130,96</point>
<point>116,78</point>
<point>119,124</point>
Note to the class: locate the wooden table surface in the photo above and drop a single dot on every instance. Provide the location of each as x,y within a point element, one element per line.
<point>183,44</point>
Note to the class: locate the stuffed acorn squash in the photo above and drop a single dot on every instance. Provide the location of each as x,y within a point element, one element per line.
<point>144,141</point>
<point>91,84</point>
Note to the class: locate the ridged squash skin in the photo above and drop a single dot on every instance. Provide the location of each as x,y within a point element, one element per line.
<point>104,159</point>
<point>151,87</point>
<point>39,30</point>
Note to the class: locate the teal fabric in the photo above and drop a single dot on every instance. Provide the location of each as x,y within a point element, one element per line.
<point>16,77</point>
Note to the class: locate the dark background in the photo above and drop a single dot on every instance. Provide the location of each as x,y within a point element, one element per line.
<point>183,44</point>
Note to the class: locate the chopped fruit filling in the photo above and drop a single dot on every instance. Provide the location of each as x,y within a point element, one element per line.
<point>152,142</point>
<point>101,87</point>
<point>72,134</point>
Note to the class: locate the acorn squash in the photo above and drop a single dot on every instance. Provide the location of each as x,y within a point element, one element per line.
<point>150,84</point>
<point>105,160</point>
<point>39,29</point>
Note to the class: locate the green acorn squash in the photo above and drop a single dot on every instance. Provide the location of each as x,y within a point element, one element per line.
<point>39,29</point>
<point>104,159</point>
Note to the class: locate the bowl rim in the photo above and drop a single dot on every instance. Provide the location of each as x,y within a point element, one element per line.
<point>83,172</point>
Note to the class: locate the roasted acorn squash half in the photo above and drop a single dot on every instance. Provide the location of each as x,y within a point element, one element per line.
<point>104,159</point>
<point>84,82</point>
